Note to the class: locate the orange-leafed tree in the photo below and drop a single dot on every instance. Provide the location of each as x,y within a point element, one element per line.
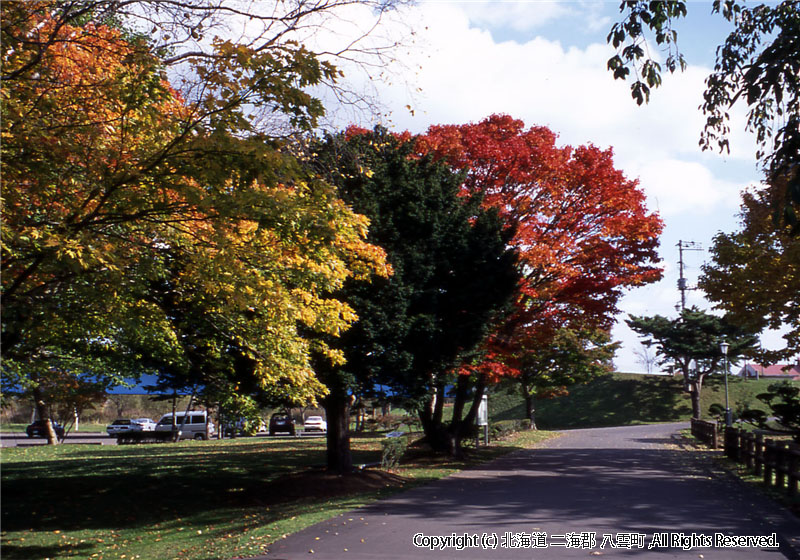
<point>142,230</point>
<point>581,229</point>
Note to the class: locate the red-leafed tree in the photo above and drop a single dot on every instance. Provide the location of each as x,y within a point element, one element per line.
<point>582,231</point>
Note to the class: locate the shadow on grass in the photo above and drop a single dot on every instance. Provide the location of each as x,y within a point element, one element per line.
<point>28,552</point>
<point>136,486</point>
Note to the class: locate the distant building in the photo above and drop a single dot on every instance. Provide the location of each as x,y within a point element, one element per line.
<point>777,371</point>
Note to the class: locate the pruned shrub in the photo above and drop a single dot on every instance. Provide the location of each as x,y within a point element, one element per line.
<point>393,450</point>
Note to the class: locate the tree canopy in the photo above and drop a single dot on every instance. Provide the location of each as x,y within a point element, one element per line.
<point>758,65</point>
<point>143,228</point>
<point>580,227</point>
<point>690,344</point>
<point>754,273</point>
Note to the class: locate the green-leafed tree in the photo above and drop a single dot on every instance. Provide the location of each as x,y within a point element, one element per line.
<point>690,345</point>
<point>783,400</point>
<point>757,65</point>
<point>557,360</point>
<point>57,394</point>
<point>754,273</point>
<point>452,274</point>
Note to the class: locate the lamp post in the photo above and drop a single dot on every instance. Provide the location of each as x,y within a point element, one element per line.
<point>728,417</point>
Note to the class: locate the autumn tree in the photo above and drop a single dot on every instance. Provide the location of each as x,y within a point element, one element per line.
<point>580,228</point>
<point>757,65</point>
<point>144,228</point>
<point>754,273</point>
<point>452,275</point>
<point>690,345</point>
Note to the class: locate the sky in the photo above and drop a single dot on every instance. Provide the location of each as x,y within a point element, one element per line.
<point>545,63</point>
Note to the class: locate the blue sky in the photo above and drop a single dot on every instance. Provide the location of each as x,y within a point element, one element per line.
<point>544,63</point>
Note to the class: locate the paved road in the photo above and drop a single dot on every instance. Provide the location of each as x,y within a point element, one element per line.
<point>20,439</point>
<point>591,483</point>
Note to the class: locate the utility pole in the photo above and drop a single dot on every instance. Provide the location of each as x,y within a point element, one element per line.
<point>682,286</point>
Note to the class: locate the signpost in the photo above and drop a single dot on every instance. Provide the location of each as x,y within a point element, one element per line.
<point>482,419</point>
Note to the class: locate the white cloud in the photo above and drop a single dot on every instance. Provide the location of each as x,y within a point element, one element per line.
<point>516,15</point>
<point>676,187</point>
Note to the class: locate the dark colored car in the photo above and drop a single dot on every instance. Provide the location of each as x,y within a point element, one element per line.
<point>281,422</point>
<point>38,429</point>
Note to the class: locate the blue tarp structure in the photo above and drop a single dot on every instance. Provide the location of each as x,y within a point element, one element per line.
<point>136,387</point>
<point>140,387</point>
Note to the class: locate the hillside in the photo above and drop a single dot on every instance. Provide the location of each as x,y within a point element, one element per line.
<point>622,399</point>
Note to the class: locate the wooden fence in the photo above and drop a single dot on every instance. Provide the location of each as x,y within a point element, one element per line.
<point>777,462</point>
<point>707,432</point>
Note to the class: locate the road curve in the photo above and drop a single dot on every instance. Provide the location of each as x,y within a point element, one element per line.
<point>609,492</point>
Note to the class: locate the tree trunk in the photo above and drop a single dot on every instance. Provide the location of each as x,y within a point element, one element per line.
<point>438,409</point>
<point>469,420</point>
<point>337,409</point>
<point>531,415</point>
<point>430,416</point>
<point>694,392</point>
<point>44,415</point>
<point>462,427</point>
<point>695,395</point>
<point>530,410</point>
<point>462,392</point>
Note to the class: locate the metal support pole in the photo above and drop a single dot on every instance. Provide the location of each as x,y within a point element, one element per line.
<point>728,415</point>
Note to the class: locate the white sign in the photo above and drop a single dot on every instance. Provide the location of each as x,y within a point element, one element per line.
<point>483,412</point>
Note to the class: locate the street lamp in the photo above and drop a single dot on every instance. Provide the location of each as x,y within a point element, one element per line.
<point>728,416</point>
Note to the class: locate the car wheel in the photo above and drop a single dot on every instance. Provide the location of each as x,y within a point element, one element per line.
<point>199,436</point>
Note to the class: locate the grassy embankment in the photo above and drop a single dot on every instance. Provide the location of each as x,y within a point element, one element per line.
<point>194,500</point>
<point>624,399</point>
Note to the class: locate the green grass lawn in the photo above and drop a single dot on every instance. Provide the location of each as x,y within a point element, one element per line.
<point>198,500</point>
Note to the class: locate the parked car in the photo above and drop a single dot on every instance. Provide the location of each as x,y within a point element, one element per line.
<point>280,422</point>
<point>193,427</point>
<point>315,424</point>
<point>125,425</point>
<point>119,426</point>
<point>38,429</point>
<point>143,424</point>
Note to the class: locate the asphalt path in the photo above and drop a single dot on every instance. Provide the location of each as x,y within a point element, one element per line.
<point>626,492</point>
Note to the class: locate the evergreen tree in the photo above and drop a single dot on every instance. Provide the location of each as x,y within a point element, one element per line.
<point>452,274</point>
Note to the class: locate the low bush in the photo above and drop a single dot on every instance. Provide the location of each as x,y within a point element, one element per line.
<point>393,450</point>
<point>505,428</point>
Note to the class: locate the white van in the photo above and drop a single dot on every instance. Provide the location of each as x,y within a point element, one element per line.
<point>193,428</point>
